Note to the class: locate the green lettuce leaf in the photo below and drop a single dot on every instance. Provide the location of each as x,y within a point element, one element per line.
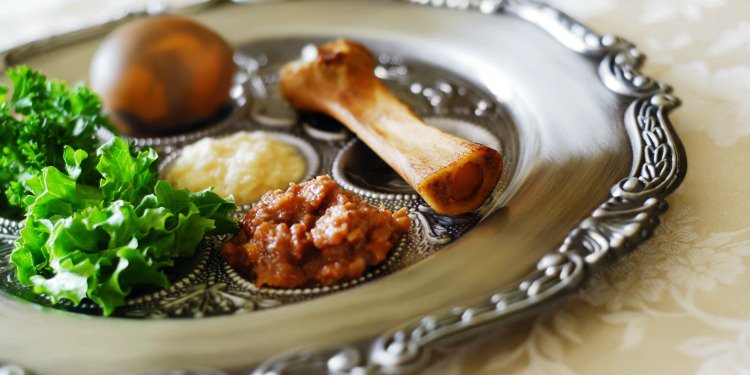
<point>82,241</point>
<point>56,196</point>
<point>99,222</point>
<point>126,176</point>
<point>219,210</point>
<point>74,161</point>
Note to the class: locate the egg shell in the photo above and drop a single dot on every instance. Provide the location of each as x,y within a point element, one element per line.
<point>162,75</point>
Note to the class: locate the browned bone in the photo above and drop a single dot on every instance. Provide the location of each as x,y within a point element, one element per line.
<point>452,174</point>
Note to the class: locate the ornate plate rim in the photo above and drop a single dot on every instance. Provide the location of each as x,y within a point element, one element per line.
<point>616,227</point>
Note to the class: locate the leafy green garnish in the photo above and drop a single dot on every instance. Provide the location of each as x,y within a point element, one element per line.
<point>99,222</point>
<point>37,121</point>
<point>99,242</point>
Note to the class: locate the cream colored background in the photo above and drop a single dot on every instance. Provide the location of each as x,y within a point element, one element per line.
<point>681,302</point>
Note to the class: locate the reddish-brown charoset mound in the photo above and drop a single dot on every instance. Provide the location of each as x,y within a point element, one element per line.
<point>314,232</point>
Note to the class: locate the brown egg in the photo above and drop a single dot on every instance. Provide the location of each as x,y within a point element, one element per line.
<point>162,75</point>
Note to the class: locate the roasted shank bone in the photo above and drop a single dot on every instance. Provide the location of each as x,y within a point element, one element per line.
<point>452,174</point>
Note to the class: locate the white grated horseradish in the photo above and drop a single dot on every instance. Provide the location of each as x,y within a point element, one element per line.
<point>245,165</point>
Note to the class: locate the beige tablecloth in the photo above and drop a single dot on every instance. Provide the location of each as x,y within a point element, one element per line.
<point>681,302</point>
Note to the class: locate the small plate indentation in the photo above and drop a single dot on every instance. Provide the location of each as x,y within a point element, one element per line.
<point>323,127</point>
<point>306,150</point>
<point>181,274</point>
<point>269,107</point>
<point>466,130</point>
<point>383,268</point>
<point>359,169</point>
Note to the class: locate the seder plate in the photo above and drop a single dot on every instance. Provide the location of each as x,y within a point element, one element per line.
<point>589,156</point>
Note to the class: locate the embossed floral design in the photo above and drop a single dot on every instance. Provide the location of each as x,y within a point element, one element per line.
<point>732,40</point>
<point>719,100</point>
<point>723,345</point>
<point>642,277</point>
<point>584,8</point>
<point>665,10</point>
<point>672,269</point>
<point>719,355</point>
<point>7,270</point>
<point>706,265</point>
<point>200,300</point>
<point>662,51</point>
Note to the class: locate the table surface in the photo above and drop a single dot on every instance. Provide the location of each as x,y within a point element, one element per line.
<point>679,303</point>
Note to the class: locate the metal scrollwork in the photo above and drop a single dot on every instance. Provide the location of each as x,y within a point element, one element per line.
<point>407,347</point>
<point>657,162</point>
<point>8,235</point>
<point>436,228</point>
<point>625,220</point>
<point>631,213</point>
<point>201,300</point>
<point>618,225</point>
<point>204,285</point>
<point>619,71</point>
<point>620,65</point>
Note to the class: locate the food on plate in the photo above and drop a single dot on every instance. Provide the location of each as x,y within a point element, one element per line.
<point>245,165</point>
<point>452,174</point>
<point>99,241</point>
<point>38,121</point>
<point>162,75</point>
<point>98,221</point>
<point>314,232</point>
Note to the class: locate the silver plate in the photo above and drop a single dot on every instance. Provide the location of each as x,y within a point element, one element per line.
<point>579,126</point>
